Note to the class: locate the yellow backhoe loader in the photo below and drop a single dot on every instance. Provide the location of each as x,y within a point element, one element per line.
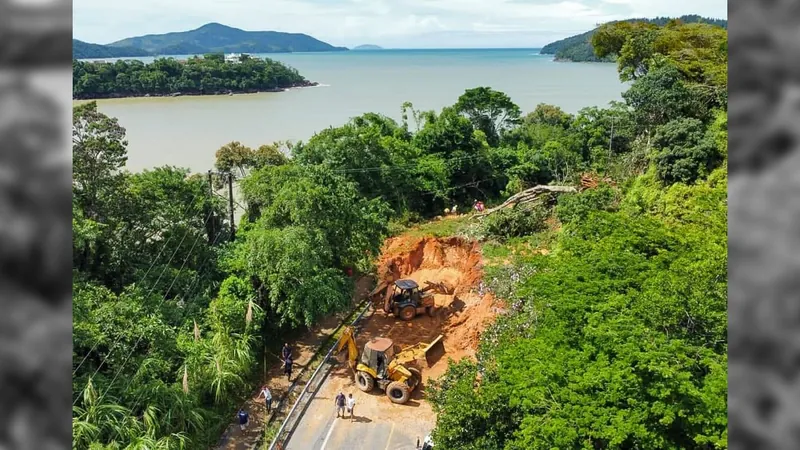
<point>406,300</point>
<point>384,364</point>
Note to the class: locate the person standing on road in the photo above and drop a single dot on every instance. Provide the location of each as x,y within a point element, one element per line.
<point>243,419</point>
<point>351,403</point>
<point>340,402</point>
<point>267,398</point>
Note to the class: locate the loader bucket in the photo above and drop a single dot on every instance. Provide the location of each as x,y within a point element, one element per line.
<point>434,351</point>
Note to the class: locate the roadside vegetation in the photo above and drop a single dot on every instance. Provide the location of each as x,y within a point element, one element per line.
<point>615,337</point>
<point>206,75</point>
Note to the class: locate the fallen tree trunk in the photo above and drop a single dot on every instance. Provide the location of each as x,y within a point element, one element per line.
<point>527,196</point>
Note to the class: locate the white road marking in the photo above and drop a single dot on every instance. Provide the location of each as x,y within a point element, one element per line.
<point>389,441</point>
<point>328,436</point>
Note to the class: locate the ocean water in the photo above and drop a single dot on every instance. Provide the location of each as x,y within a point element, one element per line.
<point>187,131</point>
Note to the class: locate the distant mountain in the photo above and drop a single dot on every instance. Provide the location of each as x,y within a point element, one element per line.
<point>368,47</point>
<point>216,38</point>
<point>85,50</point>
<point>579,48</point>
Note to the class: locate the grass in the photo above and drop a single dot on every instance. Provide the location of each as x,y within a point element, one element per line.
<point>445,227</point>
<point>497,253</point>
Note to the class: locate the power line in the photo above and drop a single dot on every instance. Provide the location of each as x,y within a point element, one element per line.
<point>189,293</point>
<point>133,348</point>
<point>143,278</point>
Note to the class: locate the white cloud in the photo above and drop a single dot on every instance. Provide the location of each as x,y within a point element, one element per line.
<point>404,23</point>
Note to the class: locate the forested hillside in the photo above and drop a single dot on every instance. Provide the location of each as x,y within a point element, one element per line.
<point>614,339</point>
<point>215,37</point>
<point>579,48</point>
<point>85,50</point>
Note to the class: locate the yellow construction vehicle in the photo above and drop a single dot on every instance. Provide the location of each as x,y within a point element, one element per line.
<point>384,364</point>
<point>405,299</point>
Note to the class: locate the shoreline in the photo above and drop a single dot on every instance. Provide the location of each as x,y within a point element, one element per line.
<point>197,94</point>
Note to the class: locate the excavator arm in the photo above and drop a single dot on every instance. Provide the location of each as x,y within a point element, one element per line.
<point>349,341</point>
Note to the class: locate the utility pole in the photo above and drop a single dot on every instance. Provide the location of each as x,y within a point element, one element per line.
<point>230,204</point>
<point>610,141</point>
<point>212,220</point>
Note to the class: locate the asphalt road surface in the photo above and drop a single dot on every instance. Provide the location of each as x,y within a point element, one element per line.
<point>377,424</point>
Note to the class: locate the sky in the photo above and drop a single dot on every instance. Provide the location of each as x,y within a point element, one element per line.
<point>388,23</point>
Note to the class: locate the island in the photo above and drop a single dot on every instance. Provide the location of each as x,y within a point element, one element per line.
<point>210,38</point>
<point>368,47</point>
<point>578,48</point>
<point>212,74</point>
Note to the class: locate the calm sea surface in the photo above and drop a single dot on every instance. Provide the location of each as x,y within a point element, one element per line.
<point>187,131</point>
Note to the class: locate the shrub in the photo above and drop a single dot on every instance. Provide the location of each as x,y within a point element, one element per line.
<point>577,207</point>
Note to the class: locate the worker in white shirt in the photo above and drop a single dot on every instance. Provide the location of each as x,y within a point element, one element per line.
<point>267,397</point>
<point>351,403</point>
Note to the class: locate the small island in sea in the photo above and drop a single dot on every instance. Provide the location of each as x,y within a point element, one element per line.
<point>368,47</point>
<point>213,74</point>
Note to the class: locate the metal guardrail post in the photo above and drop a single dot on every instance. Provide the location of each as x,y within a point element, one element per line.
<point>305,390</point>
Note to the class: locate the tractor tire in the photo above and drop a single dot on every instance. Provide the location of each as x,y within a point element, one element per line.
<point>398,392</point>
<point>416,376</point>
<point>408,312</point>
<point>364,381</point>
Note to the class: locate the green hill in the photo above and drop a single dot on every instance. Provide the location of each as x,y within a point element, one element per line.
<point>85,50</point>
<point>215,37</point>
<point>579,48</point>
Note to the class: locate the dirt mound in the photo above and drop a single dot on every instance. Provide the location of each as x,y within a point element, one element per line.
<point>454,261</point>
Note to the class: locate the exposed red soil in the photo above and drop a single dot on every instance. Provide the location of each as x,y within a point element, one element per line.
<point>461,316</point>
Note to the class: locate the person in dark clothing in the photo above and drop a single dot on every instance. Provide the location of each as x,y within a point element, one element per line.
<point>340,402</point>
<point>381,366</point>
<point>287,367</point>
<point>286,351</point>
<point>243,419</point>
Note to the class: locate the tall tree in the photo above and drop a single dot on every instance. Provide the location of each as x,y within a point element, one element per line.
<point>490,111</point>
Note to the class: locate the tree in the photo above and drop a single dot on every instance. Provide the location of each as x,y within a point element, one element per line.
<point>548,115</point>
<point>235,156</point>
<point>685,152</point>
<point>662,96</point>
<point>271,155</point>
<point>98,157</point>
<point>490,111</point>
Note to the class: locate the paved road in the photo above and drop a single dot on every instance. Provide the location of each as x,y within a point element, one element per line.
<point>321,430</point>
<point>376,425</point>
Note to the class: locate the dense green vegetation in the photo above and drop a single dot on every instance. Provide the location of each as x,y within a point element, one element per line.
<point>579,48</point>
<point>85,50</point>
<point>615,340</point>
<point>618,338</point>
<point>218,38</point>
<point>167,76</point>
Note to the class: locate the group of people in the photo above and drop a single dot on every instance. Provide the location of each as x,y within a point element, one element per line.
<point>342,402</point>
<point>286,357</point>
